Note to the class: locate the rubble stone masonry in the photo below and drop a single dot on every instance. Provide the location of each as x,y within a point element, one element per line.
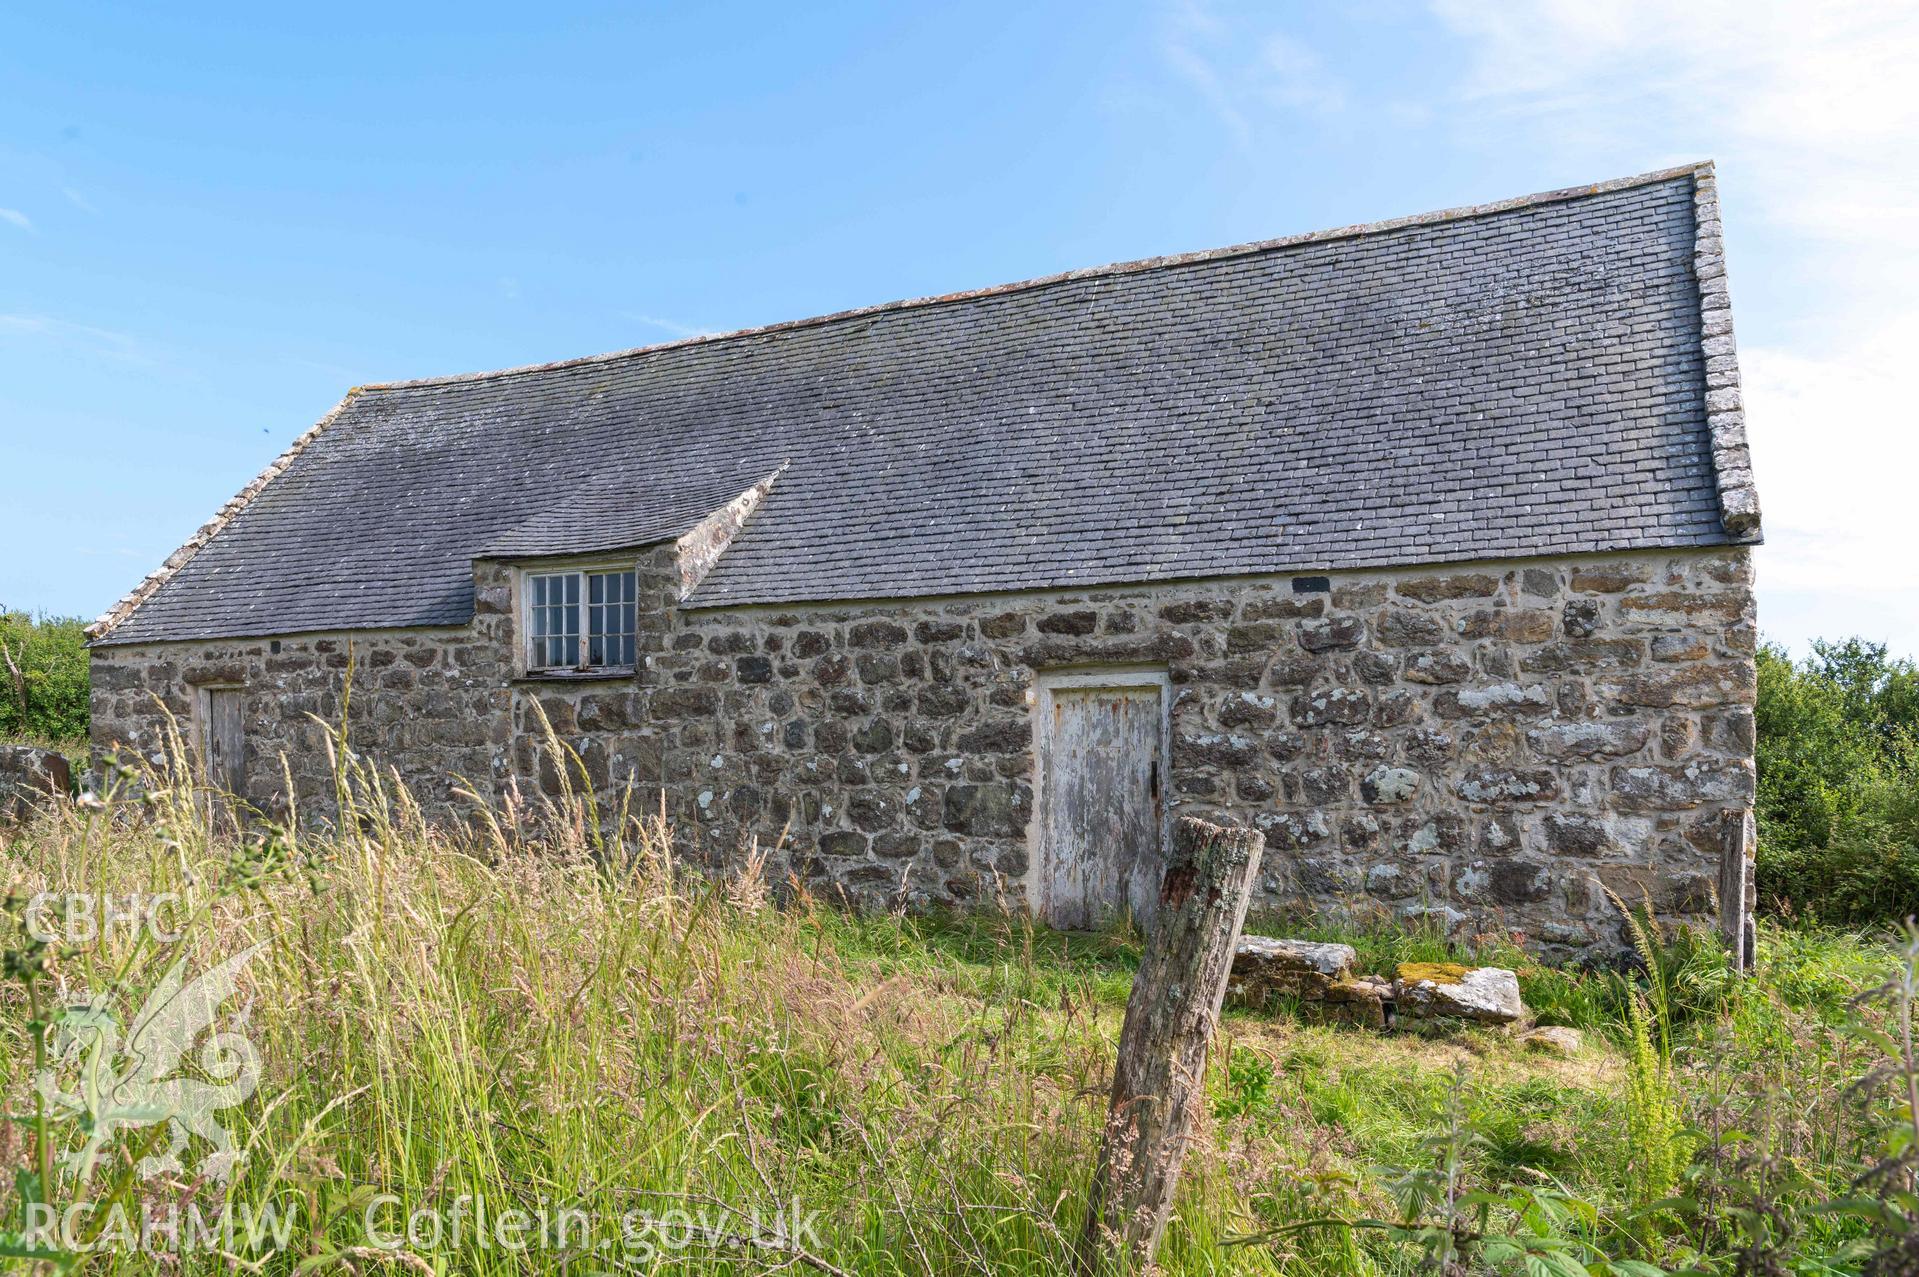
<point>1492,743</point>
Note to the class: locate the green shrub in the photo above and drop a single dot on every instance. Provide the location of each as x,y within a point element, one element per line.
<point>1838,796</point>
<point>1867,871</point>
<point>43,677</point>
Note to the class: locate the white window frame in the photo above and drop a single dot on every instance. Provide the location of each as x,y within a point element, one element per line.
<point>531,647</point>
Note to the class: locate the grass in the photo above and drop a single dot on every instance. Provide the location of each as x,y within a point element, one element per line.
<point>548,1017</point>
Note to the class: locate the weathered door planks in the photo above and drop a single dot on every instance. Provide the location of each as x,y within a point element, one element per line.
<point>224,736</point>
<point>1100,817</point>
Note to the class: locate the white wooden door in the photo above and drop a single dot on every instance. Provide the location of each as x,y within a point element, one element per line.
<point>1100,816</point>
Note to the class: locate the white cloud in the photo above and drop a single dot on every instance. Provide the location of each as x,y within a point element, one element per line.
<point>1812,102</point>
<point>107,341</point>
<point>1831,461</point>
<point>78,200</point>
<point>1295,77</point>
<point>16,217</point>
<point>1245,81</point>
<point>670,326</point>
<point>1201,74</point>
<point>1812,112</point>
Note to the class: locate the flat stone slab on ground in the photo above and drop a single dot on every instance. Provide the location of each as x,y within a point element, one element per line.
<point>1319,976</point>
<point>1447,990</point>
<point>1265,968</point>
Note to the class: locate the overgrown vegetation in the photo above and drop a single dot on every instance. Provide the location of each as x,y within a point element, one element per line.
<point>548,1017</point>
<point>1838,803</point>
<point>43,679</point>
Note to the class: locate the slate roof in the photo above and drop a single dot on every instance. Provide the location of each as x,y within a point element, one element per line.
<point>1517,379</point>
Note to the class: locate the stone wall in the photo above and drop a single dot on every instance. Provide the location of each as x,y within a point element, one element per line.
<point>30,777</point>
<point>1490,743</point>
<point>433,703</point>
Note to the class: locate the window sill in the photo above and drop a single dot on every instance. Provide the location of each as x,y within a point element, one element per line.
<point>575,676</point>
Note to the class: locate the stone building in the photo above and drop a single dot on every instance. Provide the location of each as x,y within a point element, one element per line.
<point>1423,546</point>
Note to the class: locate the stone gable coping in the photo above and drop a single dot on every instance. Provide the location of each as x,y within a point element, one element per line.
<point>1725,409</point>
<point>701,548</point>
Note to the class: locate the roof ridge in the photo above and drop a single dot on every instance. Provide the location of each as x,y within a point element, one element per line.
<point>104,624</point>
<point>1700,169</point>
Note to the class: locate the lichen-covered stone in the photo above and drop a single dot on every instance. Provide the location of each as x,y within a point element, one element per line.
<point>1578,834</point>
<point>1511,625</point>
<point>1435,589</point>
<point>1341,633</point>
<point>1389,785</point>
<point>1316,978</point>
<point>1439,990</point>
<point>1588,740</point>
<point>1443,666</point>
<point>1343,706</point>
<point>1669,788</point>
<point>1504,785</point>
<point>1689,686</point>
<point>1265,968</point>
<point>1401,627</point>
<point>1496,699</point>
<point>1610,578</point>
<point>1581,618</point>
<point>1361,1002</point>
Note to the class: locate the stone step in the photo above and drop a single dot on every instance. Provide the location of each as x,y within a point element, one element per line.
<point>1318,976</point>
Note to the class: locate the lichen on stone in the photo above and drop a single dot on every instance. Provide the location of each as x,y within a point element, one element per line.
<point>1431,972</point>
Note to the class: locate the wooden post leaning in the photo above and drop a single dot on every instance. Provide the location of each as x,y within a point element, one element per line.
<point>1158,1078</point>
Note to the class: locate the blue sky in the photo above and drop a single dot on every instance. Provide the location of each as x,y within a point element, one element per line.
<point>213,224</point>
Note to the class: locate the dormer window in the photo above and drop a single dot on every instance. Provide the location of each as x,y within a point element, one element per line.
<point>581,620</point>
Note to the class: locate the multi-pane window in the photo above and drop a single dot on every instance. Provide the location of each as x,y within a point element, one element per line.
<point>581,620</point>
<point>609,618</point>
<point>555,614</point>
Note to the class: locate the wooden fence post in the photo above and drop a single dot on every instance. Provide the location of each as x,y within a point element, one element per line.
<point>1158,1078</point>
<point>1738,894</point>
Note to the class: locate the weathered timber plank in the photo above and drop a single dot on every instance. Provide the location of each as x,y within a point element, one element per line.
<point>1158,1077</point>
